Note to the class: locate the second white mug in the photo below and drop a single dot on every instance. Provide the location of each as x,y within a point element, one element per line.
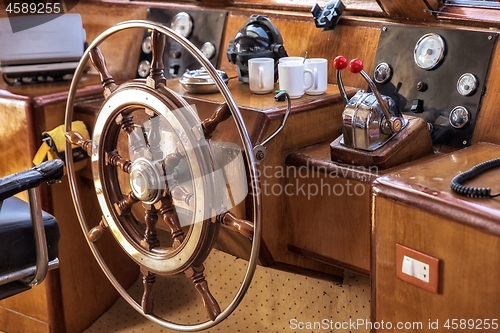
<point>319,67</point>
<point>261,75</point>
<point>292,76</point>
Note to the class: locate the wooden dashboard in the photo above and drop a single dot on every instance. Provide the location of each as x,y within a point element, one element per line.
<point>397,202</point>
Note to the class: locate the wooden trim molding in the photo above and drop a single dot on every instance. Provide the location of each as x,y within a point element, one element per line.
<point>416,9</point>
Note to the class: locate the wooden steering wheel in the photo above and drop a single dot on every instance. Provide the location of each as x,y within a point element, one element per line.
<point>150,152</point>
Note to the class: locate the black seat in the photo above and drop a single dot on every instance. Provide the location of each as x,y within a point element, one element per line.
<point>28,237</point>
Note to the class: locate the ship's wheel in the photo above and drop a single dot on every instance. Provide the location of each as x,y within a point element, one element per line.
<point>151,154</point>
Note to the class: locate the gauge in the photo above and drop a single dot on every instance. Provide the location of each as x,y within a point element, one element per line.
<point>208,50</point>
<point>182,24</point>
<point>146,45</point>
<point>459,117</point>
<point>382,73</point>
<point>429,51</point>
<point>143,68</point>
<point>467,84</point>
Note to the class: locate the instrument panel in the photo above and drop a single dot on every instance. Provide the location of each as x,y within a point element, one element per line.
<point>203,28</point>
<point>435,74</point>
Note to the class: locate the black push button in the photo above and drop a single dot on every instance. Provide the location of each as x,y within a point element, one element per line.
<point>417,106</point>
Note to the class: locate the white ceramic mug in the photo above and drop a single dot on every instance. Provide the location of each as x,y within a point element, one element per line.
<point>261,75</point>
<point>286,59</point>
<point>292,78</point>
<point>319,67</point>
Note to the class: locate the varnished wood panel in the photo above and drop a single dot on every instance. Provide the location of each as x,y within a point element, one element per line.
<point>15,119</point>
<point>31,304</point>
<point>415,9</point>
<point>17,322</point>
<point>329,215</point>
<point>467,278</point>
<point>488,123</point>
<point>302,129</point>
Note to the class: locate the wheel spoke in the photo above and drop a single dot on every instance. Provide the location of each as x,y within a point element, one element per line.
<point>96,232</point>
<point>210,124</point>
<point>136,141</point>
<point>76,138</point>
<point>149,242</point>
<point>113,158</point>
<point>172,160</point>
<point>180,193</point>
<point>158,42</point>
<point>124,206</point>
<point>97,59</point>
<point>148,282</point>
<point>154,139</point>
<point>231,222</point>
<point>150,234</point>
<point>196,275</point>
<point>167,211</point>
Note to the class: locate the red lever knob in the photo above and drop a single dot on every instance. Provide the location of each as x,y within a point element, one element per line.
<point>340,62</point>
<point>355,66</point>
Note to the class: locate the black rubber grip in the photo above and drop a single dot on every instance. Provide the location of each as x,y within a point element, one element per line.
<point>47,172</point>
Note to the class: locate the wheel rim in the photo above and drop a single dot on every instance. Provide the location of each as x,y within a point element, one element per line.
<point>250,163</point>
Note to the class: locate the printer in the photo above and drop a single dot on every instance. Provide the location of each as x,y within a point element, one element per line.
<point>51,49</point>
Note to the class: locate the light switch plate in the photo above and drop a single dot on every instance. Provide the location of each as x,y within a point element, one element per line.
<point>420,269</point>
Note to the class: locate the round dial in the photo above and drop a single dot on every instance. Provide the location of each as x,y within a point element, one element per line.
<point>208,50</point>
<point>459,117</point>
<point>429,51</point>
<point>182,24</point>
<point>467,84</point>
<point>146,45</point>
<point>382,73</point>
<point>143,68</point>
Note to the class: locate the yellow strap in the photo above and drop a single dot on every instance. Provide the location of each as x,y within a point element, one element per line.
<point>57,134</point>
<point>41,153</point>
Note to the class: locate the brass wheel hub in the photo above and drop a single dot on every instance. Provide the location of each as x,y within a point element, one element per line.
<point>146,182</point>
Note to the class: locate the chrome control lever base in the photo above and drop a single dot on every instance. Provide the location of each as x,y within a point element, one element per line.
<point>369,119</point>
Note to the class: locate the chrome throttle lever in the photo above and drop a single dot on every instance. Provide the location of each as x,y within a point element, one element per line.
<point>369,119</point>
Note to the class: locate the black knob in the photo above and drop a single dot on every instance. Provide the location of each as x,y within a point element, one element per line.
<point>421,86</point>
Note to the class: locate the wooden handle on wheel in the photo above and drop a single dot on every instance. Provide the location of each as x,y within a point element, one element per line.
<point>97,59</point>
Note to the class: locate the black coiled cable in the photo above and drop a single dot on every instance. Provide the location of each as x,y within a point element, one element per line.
<point>474,192</point>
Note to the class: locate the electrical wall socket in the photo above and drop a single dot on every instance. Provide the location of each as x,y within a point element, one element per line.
<point>417,268</point>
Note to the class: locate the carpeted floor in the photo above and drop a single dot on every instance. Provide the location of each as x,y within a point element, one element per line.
<point>277,301</point>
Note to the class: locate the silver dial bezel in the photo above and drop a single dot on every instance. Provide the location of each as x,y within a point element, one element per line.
<point>389,73</point>
<point>467,119</point>
<point>441,53</point>
<point>208,50</point>
<point>141,68</point>
<point>146,45</point>
<point>472,89</point>
<point>182,19</point>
